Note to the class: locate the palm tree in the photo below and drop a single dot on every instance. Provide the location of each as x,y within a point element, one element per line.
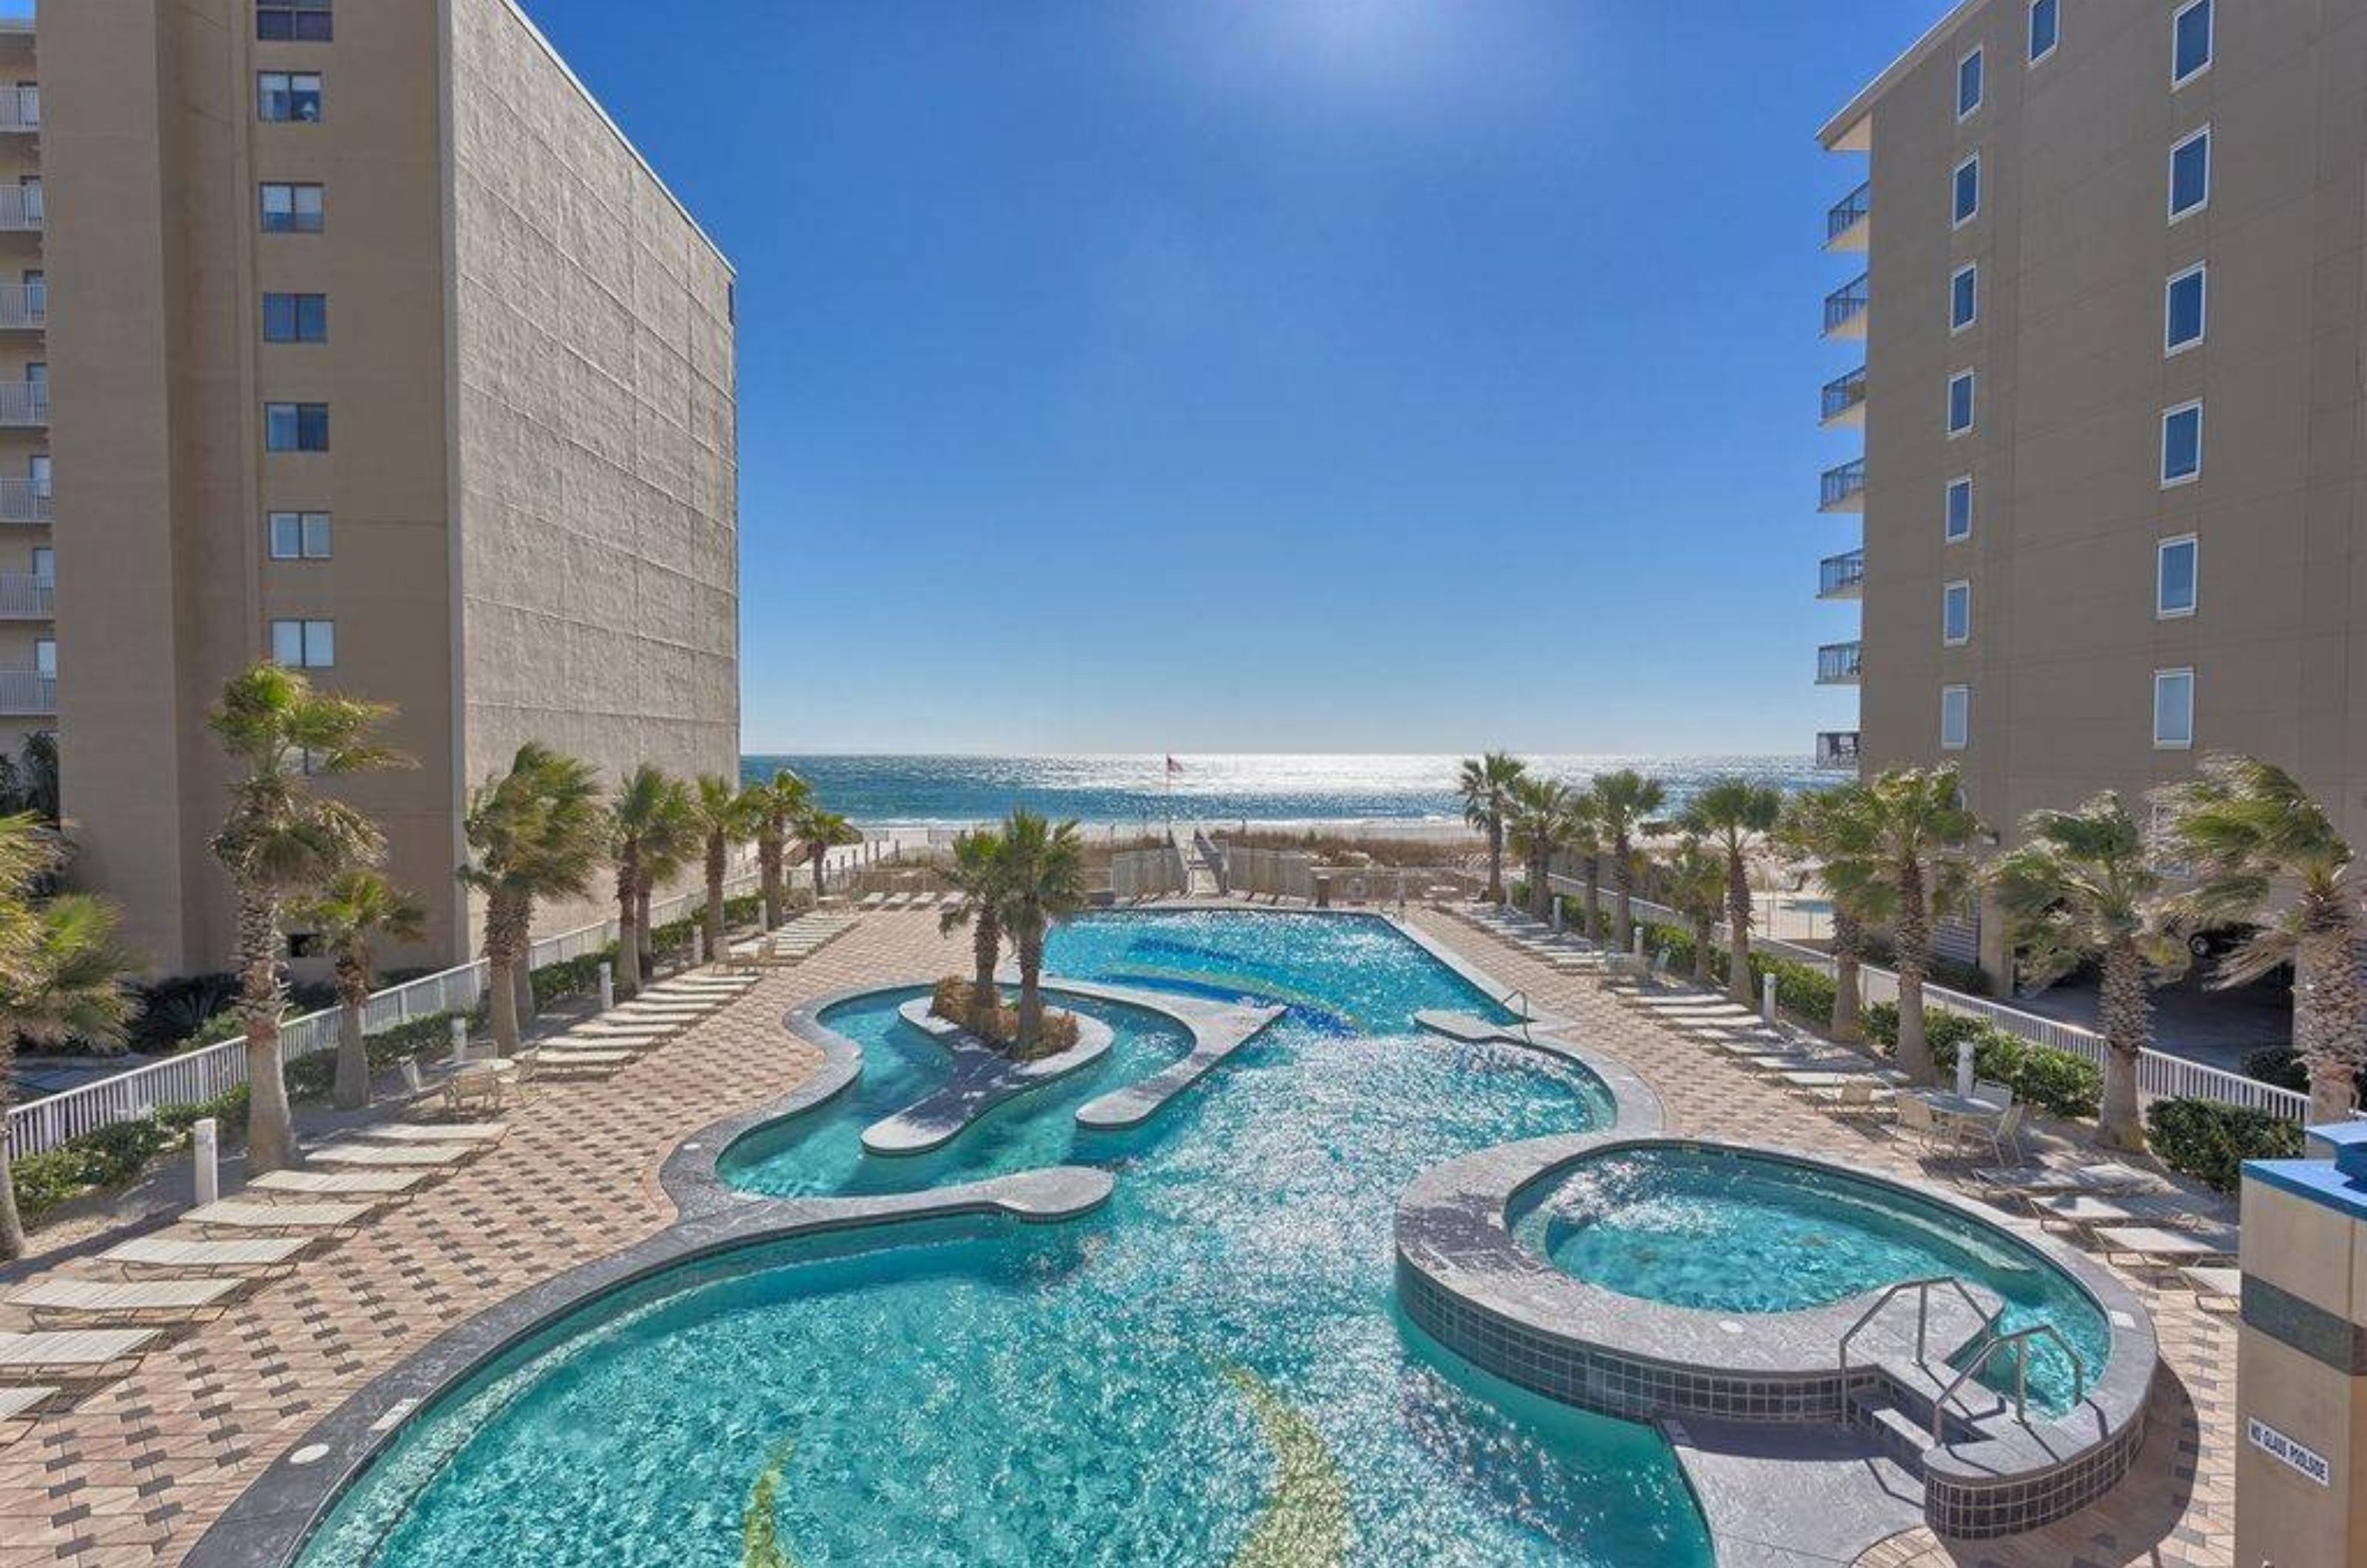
<point>726,815</point>
<point>775,805</point>
<point>978,873</point>
<point>1043,881</point>
<point>1541,821</point>
<point>69,984</point>
<point>2249,832</point>
<point>669,846</point>
<point>819,832</point>
<point>534,832</point>
<point>359,909</point>
<point>642,798</point>
<point>1585,842</point>
<point>2079,887</point>
<point>1735,814</point>
<point>1621,802</point>
<point>1694,878</point>
<point>281,841</point>
<point>1486,785</point>
<point>1906,860</point>
<point>1816,825</point>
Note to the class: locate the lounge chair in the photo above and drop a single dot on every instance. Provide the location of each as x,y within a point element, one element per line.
<point>870,901</point>
<point>123,1302</point>
<point>2214,1282</point>
<point>2083,1211</point>
<point>306,1184</point>
<point>2165,1250</point>
<point>398,1156</point>
<point>73,1352</point>
<point>182,1255</point>
<point>435,1132</point>
<point>2023,1180</point>
<point>24,1401</point>
<point>281,1219</point>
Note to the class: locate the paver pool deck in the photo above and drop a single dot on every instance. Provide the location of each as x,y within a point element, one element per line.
<point>136,1472</point>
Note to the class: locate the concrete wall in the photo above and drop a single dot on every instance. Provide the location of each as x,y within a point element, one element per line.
<point>2075,248</point>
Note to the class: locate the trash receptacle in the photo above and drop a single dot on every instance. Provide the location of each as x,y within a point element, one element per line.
<point>1322,892</point>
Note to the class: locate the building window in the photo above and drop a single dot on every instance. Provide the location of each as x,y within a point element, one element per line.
<point>288,96</point>
<point>2173,709</point>
<point>293,21</point>
<point>1956,614</point>
<point>304,645</point>
<point>1964,297</point>
<point>1959,524</point>
<point>2173,578</point>
<point>292,209</point>
<point>2182,305</point>
<point>2182,445</point>
<point>1955,718</point>
<point>1960,403</point>
<point>295,318</point>
<point>2045,27</point>
<point>2189,174</point>
<point>299,536</point>
<point>45,657</point>
<point>1968,84</point>
<point>1967,204</point>
<point>2190,43</point>
<point>295,427</point>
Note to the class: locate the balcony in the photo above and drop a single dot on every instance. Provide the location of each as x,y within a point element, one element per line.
<point>24,501</point>
<point>1844,310</point>
<point>20,209</point>
<point>1837,748</point>
<point>27,596</point>
<point>1843,403</point>
<point>1843,488</point>
<point>20,109</point>
<point>24,307</point>
<point>27,693</point>
<point>1849,224</point>
<point>24,405</point>
<point>1841,576</point>
<point>1837,664</point>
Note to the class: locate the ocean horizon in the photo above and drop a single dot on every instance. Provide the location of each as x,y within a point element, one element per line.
<point>1118,790</point>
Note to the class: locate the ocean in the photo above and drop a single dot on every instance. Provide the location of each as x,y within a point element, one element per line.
<point>909,791</point>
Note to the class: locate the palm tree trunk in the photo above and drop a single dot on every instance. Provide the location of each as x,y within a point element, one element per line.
<point>1594,897</point>
<point>642,927</point>
<point>628,935</point>
<point>1495,858</point>
<point>1702,942</point>
<point>1848,983</point>
<point>11,1223</point>
<point>1622,877</point>
<point>769,868</point>
<point>522,978</point>
<point>2329,1016</point>
<point>352,1086</point>
<point>1541,885</point>
<point>1031,986</point>
<point>986,951</point>
<point>1737,928</point>
<point>504,952</point>
<point>1914,962</point>
<point>818,857</point>
<point>716,850</point>
<point>2127,1017</point>
<point>270,1124</point>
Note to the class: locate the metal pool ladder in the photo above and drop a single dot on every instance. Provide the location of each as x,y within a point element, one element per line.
<point>1521,1013</point>
<point>2020,1339</point>
<point>1922,1289</point>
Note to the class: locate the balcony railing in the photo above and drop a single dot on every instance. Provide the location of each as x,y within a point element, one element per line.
<point>1845,221</point>
<point>24,501</point>
<point>21,108</point>
<point>1837,664</point>
<point>27,692</point>
<point>27,596</point>
<point>24,404</point>
<point>1844,397</point>
<point>21,208</point>
<point>1841,576</point>
<point>24,306</point>
<point>1843,488</point>
<point>1845,308</point>
<point>1837,748</point>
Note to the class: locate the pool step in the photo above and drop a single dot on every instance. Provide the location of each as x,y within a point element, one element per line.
<point>1901,1436</point>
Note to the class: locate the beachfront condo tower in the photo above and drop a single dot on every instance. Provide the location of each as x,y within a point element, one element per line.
<point>2101,316</point>
<point>352,334</point>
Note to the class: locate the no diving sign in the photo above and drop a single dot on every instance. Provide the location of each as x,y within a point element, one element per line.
<point>2287,1452</point>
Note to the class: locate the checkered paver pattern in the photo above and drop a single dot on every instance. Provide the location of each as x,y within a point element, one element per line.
<point>2176,1508</point>
<point>136,1472</point>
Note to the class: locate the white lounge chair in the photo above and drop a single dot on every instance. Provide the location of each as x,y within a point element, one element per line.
<point>399,1157</point>
<point>280,1219</point>
<point>2215,1283</point>
<point>2107,1176</point>
<point>73,1352</point>
<point>122,1301</point>
<point>434,1132</point>
<point>2165,1250</point>
<point>24,1401</point>
<point>182,1255</point>
<point>304,1184</point>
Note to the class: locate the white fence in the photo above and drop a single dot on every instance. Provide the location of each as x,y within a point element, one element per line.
<point>194,1077</point>
<point>1147,874</point>
<point>2160,1076</point>
<point>1280,874</point>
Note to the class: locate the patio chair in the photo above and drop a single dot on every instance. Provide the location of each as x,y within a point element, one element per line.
<point>1916,1117</point>
<point>1989,1091</point>
<point>473,1086</point>
<point>2006,1131</point>
<point>1862,1099</point>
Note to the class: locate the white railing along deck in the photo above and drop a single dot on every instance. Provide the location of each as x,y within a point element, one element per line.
<point>2160,1076</point>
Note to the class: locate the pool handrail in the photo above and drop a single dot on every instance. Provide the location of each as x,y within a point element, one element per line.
<point>2019,1339</point>
<point>1922,1288</point>
<point>1519,1013</point>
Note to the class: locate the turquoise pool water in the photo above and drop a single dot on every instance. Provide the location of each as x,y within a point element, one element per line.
<point>1208,1370</point>
<point>1734,1232</point>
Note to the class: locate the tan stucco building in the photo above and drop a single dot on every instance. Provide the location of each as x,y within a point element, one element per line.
<point>2111,315</point>
<point>374,346</point>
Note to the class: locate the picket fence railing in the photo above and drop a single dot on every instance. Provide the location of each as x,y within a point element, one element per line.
<point>192,1078</point>
<point>2160,1076</point>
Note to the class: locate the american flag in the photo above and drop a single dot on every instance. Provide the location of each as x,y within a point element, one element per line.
<point>1174,767</point>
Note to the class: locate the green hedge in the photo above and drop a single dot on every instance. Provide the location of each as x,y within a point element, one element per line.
<point>2060,1082</point>
<point>2210,1140</point>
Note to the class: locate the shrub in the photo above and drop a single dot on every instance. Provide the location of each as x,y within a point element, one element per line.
<point>2210,1140</point>
<point>955,998</point>
<point>2278,1065</point>
<point>171,1010</point>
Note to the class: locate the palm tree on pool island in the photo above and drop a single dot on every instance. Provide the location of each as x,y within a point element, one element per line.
<point>279,842</point>
<point>2081,887</point>
<point>1623,801</point>
<point>1905,862</point>
<point>359,910</point>
<point>1736,815</point>
<point>979,874</point>
<point>1486,786</point>
<point>2261,851</point>
<point>1043,881</point>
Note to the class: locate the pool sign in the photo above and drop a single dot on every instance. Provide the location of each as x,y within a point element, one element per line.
<point>2287,1452</point>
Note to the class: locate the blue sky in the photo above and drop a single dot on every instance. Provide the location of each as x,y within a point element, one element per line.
<point>1278,375</point>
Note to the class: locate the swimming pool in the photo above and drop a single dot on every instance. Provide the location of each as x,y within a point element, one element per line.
<point>1724,1231</point>
<point>1211,1369</point>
